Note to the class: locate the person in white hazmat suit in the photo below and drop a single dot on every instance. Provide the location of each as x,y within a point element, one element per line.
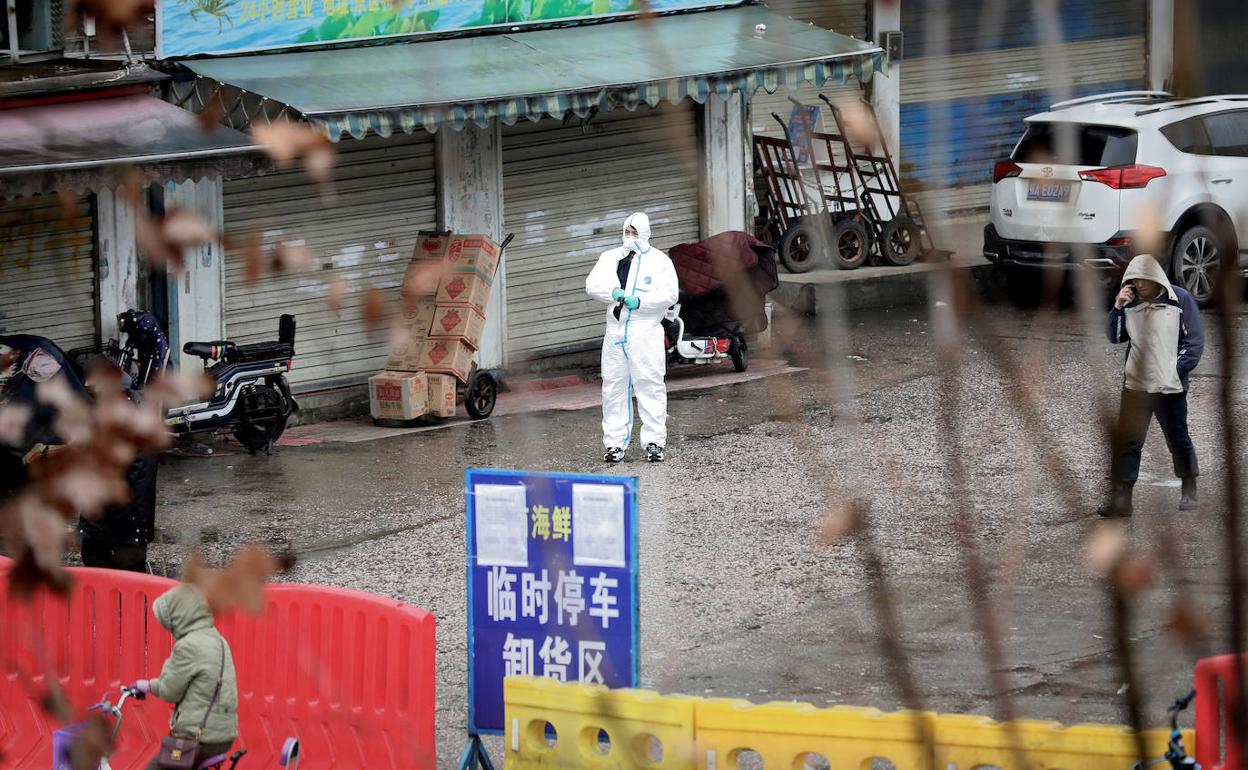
<point>638,284</point>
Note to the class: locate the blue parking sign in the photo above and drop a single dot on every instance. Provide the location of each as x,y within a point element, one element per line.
<point>552,583</point>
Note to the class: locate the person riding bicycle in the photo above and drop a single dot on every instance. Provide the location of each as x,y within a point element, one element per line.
<point>198,678</point>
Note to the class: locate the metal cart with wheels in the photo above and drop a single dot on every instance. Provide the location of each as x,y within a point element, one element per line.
<point>801,216</point>
<point>895,219</point>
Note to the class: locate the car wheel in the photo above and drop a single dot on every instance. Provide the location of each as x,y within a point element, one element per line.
<point>899,243</point>
<point>1195,262</point>
<point>799,250</point>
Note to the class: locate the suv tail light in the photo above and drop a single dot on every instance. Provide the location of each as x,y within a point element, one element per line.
<point>1004,170</point>
<point>1133,177</point>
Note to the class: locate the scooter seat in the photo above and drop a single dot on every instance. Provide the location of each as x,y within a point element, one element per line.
<point>209,351</point>
<point>263,351</point>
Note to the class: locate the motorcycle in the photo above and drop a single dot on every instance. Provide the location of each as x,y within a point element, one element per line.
<point>251,397</point>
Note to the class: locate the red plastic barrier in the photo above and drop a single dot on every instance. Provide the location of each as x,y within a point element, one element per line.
<point>1217,689</point>
<point>350,674</point>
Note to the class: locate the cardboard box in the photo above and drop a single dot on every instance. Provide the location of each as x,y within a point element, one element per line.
<point>442,394</point>
<point>432,246</point>
<point>473,254</point>
<point>416,316</point>
<point>422,278</point>
<point>464,289</point>
<point>462,253</point>
<point>447,357</point>
<point>458,322</point>
<point>398,395</point>
<point>405,351</point>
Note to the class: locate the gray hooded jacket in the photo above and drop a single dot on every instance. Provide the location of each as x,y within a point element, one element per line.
<point>1166,336</point>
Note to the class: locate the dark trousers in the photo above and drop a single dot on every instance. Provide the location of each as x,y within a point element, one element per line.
<point>97,553</point>
<point>1135,413</point>
<point>206,751</point>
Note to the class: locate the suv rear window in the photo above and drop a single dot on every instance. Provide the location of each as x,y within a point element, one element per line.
<point>1075,144</point>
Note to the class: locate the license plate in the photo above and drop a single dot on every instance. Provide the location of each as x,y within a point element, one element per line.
<point>1048,191</point>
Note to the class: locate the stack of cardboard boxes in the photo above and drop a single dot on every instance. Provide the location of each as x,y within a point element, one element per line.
<point>444,293</point>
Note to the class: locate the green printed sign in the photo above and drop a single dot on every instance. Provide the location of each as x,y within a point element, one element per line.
<point>192,27</point>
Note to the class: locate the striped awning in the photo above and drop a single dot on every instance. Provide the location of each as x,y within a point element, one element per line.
<point>529,75</point>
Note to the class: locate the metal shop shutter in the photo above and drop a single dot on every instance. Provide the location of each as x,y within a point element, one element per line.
<point>966,90</point>
<point>847,17</point>
<point>566,193</point>
<point>384,193</point>
<point>47,270</point>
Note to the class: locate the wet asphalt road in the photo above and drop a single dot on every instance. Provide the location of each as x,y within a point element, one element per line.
<point>738,596</point>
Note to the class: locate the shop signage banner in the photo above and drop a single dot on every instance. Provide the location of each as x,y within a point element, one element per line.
<point>552,583</point>
<point>192,27</point>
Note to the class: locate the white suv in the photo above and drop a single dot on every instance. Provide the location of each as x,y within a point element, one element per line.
<point>1089,173</point>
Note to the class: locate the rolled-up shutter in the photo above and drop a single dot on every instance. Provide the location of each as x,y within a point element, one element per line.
<point>970,75</point>
<point>566,193</point>
<point>847,17</point>
<point>47,270</point>
<point>384,193</point>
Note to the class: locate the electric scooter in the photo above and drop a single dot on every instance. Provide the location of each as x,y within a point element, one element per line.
<point>252,398</point>
<point>685,348</point>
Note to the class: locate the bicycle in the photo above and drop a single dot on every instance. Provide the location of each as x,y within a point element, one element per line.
<point>1176,753</point>
<point>65,739</point>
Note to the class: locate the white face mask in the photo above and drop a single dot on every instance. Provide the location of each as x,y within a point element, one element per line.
<point>636,243</point>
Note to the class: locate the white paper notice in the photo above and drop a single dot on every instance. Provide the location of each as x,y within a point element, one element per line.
<point>598,525</point>
<point>502,516</point>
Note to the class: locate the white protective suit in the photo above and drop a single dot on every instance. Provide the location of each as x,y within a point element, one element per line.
<point>634,360</point>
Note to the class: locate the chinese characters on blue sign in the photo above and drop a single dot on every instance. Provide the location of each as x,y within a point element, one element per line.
<point>552,583</point>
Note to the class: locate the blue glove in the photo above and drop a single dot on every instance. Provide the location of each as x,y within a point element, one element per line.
<point>632,303</point>
<point>617,294</point>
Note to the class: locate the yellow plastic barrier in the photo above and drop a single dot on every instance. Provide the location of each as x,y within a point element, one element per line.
<point>641,728</point>
<point>715,734</point>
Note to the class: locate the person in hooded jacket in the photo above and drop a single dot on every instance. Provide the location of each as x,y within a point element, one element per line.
<point>638,284</point>
<point>1165,337</point>
<point>200,659</point>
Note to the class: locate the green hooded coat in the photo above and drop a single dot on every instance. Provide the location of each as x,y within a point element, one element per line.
<point>189,677</point>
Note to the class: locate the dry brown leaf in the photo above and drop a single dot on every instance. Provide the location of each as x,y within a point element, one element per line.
<point>839,522</point>
<point>1106,548</point>
<point>1185,625</point>
<point>181,228</point>
<point>73,413</point>
<point>253,258</point>
<point>240,584</point>
<point>374,308</point>
<point>214,110</point>
<point>113,16</point>
<point>95,741</point>
<point>422,278</point>
<point>859,123</point>
<point>1133,575</point>
<point>13,421</point>
<point>69,206</point>
<point>36,536</point>
<point>180,386</point>
<point>294,256</point>
<point>163,240</point>
<point>335,293</point>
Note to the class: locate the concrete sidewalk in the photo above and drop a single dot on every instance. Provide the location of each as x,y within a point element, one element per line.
<point>570,394</point>
<point>881,286</point>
